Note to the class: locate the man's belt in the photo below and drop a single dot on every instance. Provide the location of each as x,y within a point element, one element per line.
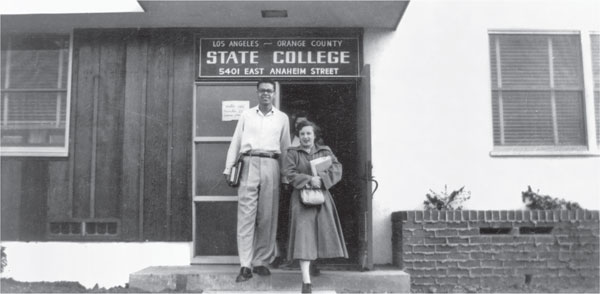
<point>261,154</point>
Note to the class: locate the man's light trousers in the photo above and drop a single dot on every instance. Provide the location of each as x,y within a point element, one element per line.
<point>258,207</point>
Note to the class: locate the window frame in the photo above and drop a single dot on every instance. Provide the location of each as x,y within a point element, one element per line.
<point>591,148</point>
<point>32,151</point>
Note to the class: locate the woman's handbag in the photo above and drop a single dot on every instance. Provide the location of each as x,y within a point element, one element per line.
<point>312,196</point>
<point>236,173</point>
<point>315,196</point>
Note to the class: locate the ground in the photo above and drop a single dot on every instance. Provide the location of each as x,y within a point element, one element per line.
<point>12,286</point>
<point>511,289</point>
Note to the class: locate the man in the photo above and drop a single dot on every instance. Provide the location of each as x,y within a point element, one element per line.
<point>261,138</point>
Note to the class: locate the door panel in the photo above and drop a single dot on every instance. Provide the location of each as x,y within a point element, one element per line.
<point>208,111</point>
<point>210,162</point>
<point>209,222</point>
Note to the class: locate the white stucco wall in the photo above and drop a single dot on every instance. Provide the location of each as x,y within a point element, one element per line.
<point>431,110</point>
<point>103,263</point>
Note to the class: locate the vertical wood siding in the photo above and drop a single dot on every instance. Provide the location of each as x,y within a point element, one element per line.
<point>130,156</point>
<point>10,201</point>
<point>181,185</point>
<point>34,195</point>
<point>87,53</point>
<point>134,137</point>
<point>157,120</point>
<point>60,200</point>
<point>109,127</point>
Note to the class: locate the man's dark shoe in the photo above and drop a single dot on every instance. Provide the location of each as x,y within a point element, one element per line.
<point>277,262</point>
<point>245,275</point>
<point>290,265</point>
<point>314,270</point>
<point>261,270</point>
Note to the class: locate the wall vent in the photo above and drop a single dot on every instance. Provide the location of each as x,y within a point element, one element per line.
<point>535,230</point>
<point>65,228</point>
<point>274,13</point>
<point>495,231</point>
<point>83,228</point>
<point>100,228</point>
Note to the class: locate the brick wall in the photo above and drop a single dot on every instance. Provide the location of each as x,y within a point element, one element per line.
<point>446,251</point>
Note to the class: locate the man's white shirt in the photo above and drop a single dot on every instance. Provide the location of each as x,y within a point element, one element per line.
<point>259,132</point>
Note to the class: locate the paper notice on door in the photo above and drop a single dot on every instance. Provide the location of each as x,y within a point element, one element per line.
<point>232,109</point>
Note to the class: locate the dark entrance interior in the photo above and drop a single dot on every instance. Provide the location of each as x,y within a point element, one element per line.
<point>333,106</point>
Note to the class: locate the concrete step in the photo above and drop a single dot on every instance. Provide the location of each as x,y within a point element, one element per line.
<point>268,292</point>
<point>221,279</point>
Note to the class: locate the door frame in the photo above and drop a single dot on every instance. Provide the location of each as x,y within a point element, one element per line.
<point>363,93</point>
<point>362,84</point>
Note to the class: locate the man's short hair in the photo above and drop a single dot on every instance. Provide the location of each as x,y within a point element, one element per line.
<point>300,113</point>
<point>267,81</point>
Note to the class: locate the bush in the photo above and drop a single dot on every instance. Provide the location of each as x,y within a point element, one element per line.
<point>445,201</point>
<point>3,257</point>
<point>535,201</point>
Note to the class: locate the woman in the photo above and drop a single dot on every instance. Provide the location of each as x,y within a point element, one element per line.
<point>284,200</point>
<point>315,231</point>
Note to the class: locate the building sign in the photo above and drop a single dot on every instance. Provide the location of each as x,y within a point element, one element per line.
<point>278,57</point>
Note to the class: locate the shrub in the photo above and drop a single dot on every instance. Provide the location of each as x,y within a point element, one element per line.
<point>535,201</point>
<point>3,257</point>
<point>445,201</point>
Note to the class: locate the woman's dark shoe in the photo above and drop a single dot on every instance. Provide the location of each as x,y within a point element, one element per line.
<point>245,275</point>
<point>261,270</point>
<point>314,270</point>
<point>306,288</point>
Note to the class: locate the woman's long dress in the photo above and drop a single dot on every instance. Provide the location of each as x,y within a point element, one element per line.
<point>315,231</point>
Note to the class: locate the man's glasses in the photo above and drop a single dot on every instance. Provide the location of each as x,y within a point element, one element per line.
<point>268,91</point>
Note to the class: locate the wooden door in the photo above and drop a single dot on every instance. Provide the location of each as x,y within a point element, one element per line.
<point>214,202</point>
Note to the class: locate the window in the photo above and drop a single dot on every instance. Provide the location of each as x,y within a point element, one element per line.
<point>595,40</point>
<point>35,96</point>
<point>537,91</point>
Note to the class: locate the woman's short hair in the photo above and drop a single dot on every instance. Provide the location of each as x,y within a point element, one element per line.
<point>316,129</point>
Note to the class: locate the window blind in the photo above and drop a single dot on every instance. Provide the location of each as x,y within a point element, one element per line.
<point>34,90</point>
<point>537,90</point>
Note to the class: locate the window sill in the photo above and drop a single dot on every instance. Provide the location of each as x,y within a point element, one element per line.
<point>33,152</point>
<point>566,151</point>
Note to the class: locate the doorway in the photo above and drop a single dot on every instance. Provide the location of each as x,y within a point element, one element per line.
<point>333,107</point>
<point>340,108</point>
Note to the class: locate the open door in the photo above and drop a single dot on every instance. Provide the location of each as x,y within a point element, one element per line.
<point>363,125</point>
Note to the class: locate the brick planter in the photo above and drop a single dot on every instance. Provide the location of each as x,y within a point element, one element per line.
<point>482,251</point>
